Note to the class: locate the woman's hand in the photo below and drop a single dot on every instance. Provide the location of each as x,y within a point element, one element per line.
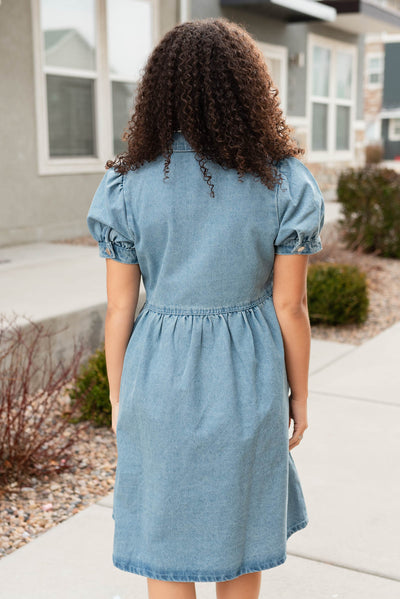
<point>114,416</point>
<point>297,412</point>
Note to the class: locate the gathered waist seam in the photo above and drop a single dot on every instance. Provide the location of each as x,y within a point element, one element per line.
<point>217,310</point>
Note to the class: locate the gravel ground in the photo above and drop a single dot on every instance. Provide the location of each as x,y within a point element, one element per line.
<point>27,511</point>
<point>29,508</point>
<point>383,280</point>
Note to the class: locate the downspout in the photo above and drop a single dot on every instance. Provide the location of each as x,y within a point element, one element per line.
<point>183,10</point>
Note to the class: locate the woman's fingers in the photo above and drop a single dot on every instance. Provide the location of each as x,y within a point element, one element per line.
<point>296,436</point>
<point>297,413</point>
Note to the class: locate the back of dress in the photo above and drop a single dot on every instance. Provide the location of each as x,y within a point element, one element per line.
<point>206,488</point>
<point>198,251</point>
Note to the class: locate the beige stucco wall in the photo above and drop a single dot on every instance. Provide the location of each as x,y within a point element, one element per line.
<point>36,207</point>
<point>32,207</point>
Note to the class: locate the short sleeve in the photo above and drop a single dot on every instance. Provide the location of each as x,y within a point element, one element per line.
<point>108,223</point>
<point>300,209</point>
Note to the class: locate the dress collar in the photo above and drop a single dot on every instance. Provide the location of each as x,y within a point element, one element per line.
<point>180,144</point>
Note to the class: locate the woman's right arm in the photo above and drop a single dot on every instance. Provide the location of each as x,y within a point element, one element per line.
<point>290,302</point>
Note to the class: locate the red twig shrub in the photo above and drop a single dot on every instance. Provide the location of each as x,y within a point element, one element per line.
<point>35,434</point>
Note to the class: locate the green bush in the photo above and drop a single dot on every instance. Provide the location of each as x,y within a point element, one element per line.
<point>337,294</point>
<point>370,202</point>
<point>92,389</point>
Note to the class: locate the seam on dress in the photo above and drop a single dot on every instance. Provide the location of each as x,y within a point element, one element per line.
<point>276,199</point>
<point>127,214</point>
<point>218,310</point>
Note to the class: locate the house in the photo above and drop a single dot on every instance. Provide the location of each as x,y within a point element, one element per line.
<point>390,114</point>
<point>324,46</point>
<point>69,71</point>
<point>382,94</point>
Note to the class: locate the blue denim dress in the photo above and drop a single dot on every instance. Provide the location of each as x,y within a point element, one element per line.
<point>206,488</point>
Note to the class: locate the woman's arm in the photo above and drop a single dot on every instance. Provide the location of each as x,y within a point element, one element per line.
<point>290,302</point>
<point>123,283</point>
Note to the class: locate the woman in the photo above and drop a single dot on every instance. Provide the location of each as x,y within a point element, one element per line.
<point>206,488</point>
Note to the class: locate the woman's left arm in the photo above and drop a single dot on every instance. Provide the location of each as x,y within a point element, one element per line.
<point>123,283</point>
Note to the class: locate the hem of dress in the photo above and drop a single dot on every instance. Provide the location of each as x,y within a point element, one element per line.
<point>191,576</point>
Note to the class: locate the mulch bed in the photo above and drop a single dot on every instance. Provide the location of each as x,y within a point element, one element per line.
<point>39,504</point>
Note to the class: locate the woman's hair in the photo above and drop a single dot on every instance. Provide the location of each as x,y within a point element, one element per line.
<point>208,78</point>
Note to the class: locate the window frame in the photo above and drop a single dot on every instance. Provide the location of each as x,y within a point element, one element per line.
<point>392,135</point>
<point>280,53</point>
<point>377,124</point>
<point>369,71</point>
<point>332,100</point>
<point>103,118</point>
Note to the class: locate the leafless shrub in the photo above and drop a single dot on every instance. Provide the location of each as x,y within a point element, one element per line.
<point>35,434</point>
<point>334,248</point>
<point>374,153</point>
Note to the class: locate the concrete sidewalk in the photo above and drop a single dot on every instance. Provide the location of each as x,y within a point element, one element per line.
<point>348,464</point>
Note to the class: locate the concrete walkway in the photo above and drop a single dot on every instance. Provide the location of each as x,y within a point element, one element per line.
<point>348,461</point>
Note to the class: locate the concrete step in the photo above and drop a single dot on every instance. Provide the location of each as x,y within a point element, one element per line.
<point>62,286</point>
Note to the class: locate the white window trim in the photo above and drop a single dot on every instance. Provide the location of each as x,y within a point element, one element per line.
<point>368,70</point>
<point>377,123</point>
<point>331,153</point>
<point>102,91</point>
<point>391,133</point>
<point>280,53</point>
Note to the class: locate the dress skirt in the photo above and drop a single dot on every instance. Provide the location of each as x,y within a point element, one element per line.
<point>206,488</point>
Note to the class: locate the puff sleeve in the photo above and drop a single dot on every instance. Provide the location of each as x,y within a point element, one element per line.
<point>107,220</point>
<point>300,209</point>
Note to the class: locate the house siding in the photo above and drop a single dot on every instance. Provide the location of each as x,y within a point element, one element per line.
<point>391,98</point>
<point>391,149</point>
<point>37,207</point>
<point>32,207</point>
<point>293,36</point>
<point>391,89</point>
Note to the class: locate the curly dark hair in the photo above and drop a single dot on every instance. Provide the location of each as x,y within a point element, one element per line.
<point>208,79</point>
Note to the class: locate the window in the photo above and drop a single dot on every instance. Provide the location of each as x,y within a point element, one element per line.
<point>331,85</point>
<point>394,129</point>
<point>321,66</point>
<point>375,66</point>
<point>88,60</point>
<point>373,131</point>
<point>276,58</point>
<point>125,62</point>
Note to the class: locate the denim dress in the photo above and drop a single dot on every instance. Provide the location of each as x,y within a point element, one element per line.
<point>206,488</point>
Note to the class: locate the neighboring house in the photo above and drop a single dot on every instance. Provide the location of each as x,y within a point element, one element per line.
<point>324,45</point>
<point>382,93</point>
<point>390,114</point>
<point>374,63</point>
<point>69,71</point>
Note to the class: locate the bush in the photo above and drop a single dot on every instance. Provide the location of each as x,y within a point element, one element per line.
<point>374,153</point>
<point>337,294</point>
<point>92,390</point>
<point>35,436</point>
<point>370,202</point>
